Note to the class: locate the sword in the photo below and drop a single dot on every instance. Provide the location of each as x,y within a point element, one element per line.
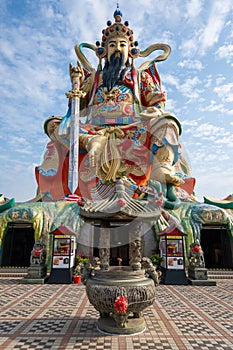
<point>77,76</point>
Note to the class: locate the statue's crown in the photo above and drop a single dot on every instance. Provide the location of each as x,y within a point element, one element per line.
<point>117,30</point>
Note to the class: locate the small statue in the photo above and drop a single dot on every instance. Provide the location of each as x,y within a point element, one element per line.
<point>38,253</point>
<point>119,261</point>
<point>151,270</point>
<point>89,269</point>
<point>136,255</point>
<point>104,258</point>
<point>196,255</point>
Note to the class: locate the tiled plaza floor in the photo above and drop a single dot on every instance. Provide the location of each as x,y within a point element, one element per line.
<point>61,317</point>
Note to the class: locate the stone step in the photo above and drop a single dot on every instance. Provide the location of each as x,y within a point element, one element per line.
<point>220,274</point>
<point>13,272</point>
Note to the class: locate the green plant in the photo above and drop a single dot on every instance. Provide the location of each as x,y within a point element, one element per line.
<point>156,260</point>
<point>82,259</point>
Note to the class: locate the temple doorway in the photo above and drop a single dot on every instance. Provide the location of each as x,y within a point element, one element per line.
<point>216,244</point>
<point>17,245</point>
<point>119,243</point>
<point>119,255</point>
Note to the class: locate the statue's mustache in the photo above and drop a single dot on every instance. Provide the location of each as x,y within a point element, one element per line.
<point>114,70</point>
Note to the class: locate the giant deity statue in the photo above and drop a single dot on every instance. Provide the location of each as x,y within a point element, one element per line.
<point>116,126</point>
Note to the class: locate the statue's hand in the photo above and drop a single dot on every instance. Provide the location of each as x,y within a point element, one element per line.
<point>87,84</point>
<point>94,147</point>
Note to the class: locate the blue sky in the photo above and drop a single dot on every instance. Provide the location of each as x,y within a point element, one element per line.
<point>37,40</point>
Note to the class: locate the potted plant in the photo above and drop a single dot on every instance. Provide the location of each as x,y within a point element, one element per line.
<point>156,260</point>
<point>80,262</point>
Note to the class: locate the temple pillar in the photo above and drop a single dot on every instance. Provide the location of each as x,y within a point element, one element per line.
<point>104,245</point>
<point>135,245</point>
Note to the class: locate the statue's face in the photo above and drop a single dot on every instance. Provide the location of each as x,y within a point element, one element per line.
<point>117,46</point>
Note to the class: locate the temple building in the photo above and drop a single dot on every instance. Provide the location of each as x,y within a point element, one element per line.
<point>22,224</point>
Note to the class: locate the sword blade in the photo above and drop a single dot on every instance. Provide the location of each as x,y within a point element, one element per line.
<point>74,145</point>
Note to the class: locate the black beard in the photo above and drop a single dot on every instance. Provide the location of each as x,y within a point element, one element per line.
<point>114,70</point>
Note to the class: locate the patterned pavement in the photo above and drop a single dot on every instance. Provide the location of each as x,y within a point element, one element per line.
<point>61,317</point>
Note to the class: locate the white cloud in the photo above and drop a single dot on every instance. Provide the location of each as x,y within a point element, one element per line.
<point>206,31</point>
<point>191,64</point>
<point>214,183</point>
<point>215,24</point>
<point>189,46</point>
<point>189,89</point>
<point>220,79</point>
<point>170,80</point>
<point>19,141</point>
<point>208,81</point>
<point>171,104</point>
<point>225,92</point>
<point>207,131</point>
<point>190,122</point>
<point>225,52</point>
<point>213,107</point>
<point>193,8</point>
<point>227,141</point>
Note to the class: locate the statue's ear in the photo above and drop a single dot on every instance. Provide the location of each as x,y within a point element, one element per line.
<point>134,52</point>
<point>101,52</point>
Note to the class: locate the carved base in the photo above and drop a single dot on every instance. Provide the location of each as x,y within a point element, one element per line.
<point>132,326</point>
<point>197,273</point>
<point>202,282</point>
<point>37,271</point>
<point>27,280</point>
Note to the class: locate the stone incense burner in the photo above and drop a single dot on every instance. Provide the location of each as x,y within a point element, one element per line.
<point>120,293</point>
<point>134,284</point>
